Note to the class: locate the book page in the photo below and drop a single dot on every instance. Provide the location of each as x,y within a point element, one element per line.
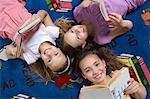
<point>103,10</point>
<point>120,83</point>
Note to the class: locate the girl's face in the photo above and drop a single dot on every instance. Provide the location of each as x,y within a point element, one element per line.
<point>76,36</point>
<point>93,68</point>
<point>52,56</point>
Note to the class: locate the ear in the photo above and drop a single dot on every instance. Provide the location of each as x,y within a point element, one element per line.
<point>83,45</point>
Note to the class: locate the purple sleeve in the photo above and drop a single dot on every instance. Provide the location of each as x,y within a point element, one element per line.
<point>78,13</point>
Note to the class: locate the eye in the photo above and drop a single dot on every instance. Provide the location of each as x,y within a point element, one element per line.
<point>56,54</point>
<point>78,37</point>
<point>97,64</point>
<point>49,61</point>
<point>87,70</point>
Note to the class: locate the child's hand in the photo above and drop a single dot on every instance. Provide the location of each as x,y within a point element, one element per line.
<point>115,20</point>
<point>135,87</point>
<point>11,50</point>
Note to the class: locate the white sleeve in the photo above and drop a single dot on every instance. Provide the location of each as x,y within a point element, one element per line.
<point>53,30</point>
<point>29,57</point>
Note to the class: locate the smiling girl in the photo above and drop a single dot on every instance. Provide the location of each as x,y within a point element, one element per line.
<point>99,66</point>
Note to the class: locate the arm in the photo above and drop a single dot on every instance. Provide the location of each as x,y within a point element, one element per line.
<point>136,87</point>
<point>12,52</point>
<point>46,18</point>
<point>121,26</point>
<point>28,29</point>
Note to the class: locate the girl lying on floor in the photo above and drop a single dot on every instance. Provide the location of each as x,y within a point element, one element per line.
<point>100,66</point>
<point>93,23</point>
<point>39,48</point>
<point>36,41</point>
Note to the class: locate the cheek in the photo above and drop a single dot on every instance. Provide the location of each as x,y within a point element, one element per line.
<point>87,75</point>
<point>86,34</point>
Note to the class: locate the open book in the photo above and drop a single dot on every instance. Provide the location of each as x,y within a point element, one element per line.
<point>25,28</point>
<point>29,25</point>
<point>112,90</point>
<point>103,9</point>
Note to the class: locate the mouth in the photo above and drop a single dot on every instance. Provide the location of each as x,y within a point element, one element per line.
<point>98,76</point>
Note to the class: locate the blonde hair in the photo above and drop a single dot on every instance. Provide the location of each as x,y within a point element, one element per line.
<point>64,24</point>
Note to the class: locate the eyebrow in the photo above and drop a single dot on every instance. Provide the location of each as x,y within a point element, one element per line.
<point>86,68</point>
<point>93,64</point>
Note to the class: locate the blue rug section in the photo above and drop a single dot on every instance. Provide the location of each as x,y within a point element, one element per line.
<point>137,40</point>
<point>16,78</point>
<point>35,5</point>
<point>15,75</point>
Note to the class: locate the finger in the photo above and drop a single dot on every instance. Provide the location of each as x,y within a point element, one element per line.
<point>131,84</point>
<point>114,14</point>
<point>14,51</point>
<point>131,90</point>
<point>114,19</point>
<point>111,26</point>
<point>133,87</point>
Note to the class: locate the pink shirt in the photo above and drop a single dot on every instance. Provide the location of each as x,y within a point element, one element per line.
<point>13,15</point>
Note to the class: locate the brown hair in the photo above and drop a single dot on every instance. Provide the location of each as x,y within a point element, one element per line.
<point>43,71</point>
<point>46,73</point>
<point>105,54</point>
<point>67,49</point>
<point>64,24</point>
<point>40,69</point>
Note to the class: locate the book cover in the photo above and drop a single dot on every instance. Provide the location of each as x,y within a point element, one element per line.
<point>103,9</point>
<point>50,6</point>
<point>23,96</point>
<point>140,72</point>
<point>133,72</point>
<point>30,24</point>
<point>144,67</point>
<point>112,90</point>
<point>139,69</point>
<point>55,4</point>
<point>26,31</point>
<point>66,0</point>
<point>67,5</point>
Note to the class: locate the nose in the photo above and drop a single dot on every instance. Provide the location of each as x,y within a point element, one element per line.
<point>79,30</point>
<point>74,30</point>
<point>95,71</point>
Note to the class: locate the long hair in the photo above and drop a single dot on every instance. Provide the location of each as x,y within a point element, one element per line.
<point>105,54</point>
<point>41,70</point>
<point>64,24</point>
<point>45,72</point>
